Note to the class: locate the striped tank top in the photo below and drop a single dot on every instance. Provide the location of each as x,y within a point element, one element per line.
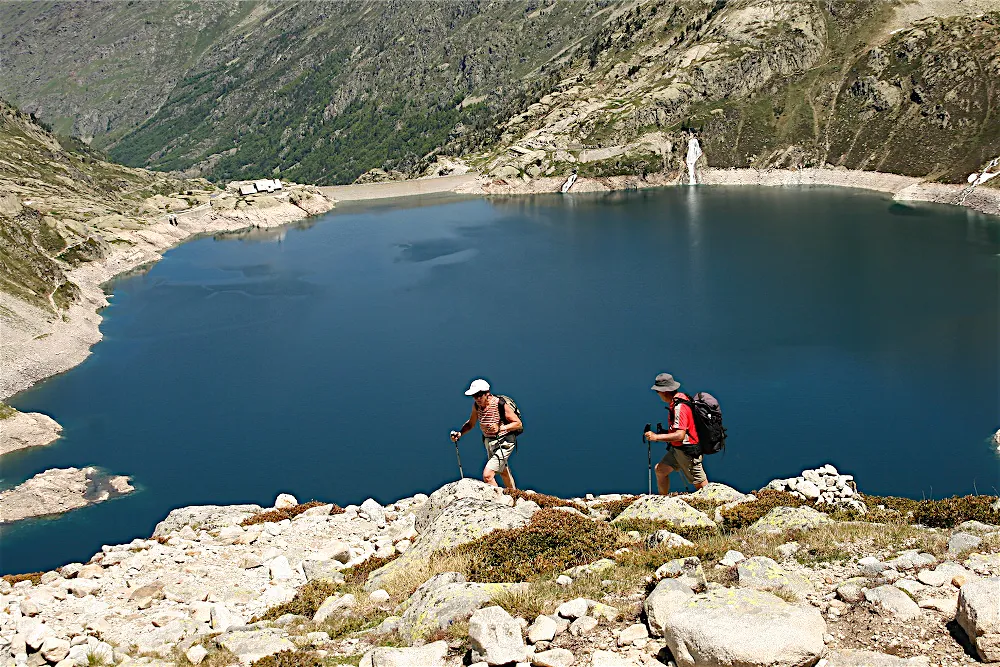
<point>489,417</point>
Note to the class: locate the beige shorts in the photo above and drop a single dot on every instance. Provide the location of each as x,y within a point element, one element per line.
<point>689,466</point>
<point>498,450</point>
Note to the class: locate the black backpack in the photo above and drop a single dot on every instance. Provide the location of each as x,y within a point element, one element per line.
<point>707,422</point>
<point>507,400</point>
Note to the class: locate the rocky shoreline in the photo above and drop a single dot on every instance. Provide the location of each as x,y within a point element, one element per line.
<point>716,577</point>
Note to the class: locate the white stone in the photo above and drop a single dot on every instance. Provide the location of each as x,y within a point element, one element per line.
<point>222,619</point>
<point>379,597</point>
<point>602,658</point>
<point>196,654</point>
<point>279,569</point>
<point>583,626</point>
<point>285,501</point>
<point>732,558</point>
<point>429,655</point>
<point>574,608</point>
<point>564,580</point>
<point>496,636</point>
<point>54,649</point>
<point>542,630</point>
<point>556,657</point>
<point>632,633</point>
<point>375,511</point>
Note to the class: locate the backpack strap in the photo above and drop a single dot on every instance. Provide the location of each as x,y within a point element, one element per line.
<point>501,404</point>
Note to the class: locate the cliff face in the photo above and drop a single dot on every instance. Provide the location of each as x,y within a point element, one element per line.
<point>323,92</point>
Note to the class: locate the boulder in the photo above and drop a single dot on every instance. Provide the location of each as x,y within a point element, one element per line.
<point>459,523</point>
<point>583,626</point>
<point>688,570</point>
<point>449,493</point>
<point>732,558</point>
<point>911,560</point>
<point>324,570</point>
<point>54,649</point>
<point>633,633</point>
<point>894,601</point>
<point>857,658</point>
<point>496,636</point>
<point>668,509</point>
<point>542,630</point>
<point>668,594</point>
<point>196,654</point>
<point>738,626</point>
<point>667,539</point>
<point>375,511</point>
<point>428,655</point>
<point>441,601</point>
<point>206,517</point>
<point>335,604</point>
<point>959,543</point>
<point>782,519</point>
<point>979,615</point>
<point>279,569</point>
<point>253,645</point>
<point>763,574</point>
<point>285,501</point>
<point>718,493</point>
<point>574,608</point>
<point>556,657</point>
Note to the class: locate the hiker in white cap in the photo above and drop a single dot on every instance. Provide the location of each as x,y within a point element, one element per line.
<point>500,423</point>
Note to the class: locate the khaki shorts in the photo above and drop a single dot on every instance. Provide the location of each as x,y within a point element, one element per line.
<point>498,450</point>
<point>689,466</point>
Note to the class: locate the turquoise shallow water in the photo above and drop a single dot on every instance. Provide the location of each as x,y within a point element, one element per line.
<point>329,359</point>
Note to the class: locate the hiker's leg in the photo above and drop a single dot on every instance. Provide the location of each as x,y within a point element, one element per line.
<point>695,471</point>
<point>663,478</point>
<point>508,478</point>
<point>489,476</point>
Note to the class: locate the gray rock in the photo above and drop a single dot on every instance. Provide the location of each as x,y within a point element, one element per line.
<point>428,655</point>
<point>83,587</point>
<point>59,490</point>
<point>961,542</point>
<point>633,633</point>
<point>496,636</point>
<point>145,596</point>
<point>788,549</point>
<point>667,539</point>
<point>326,570</point>
<point>668,509</point>
<point>449,493</point>
<point>688,570</point>
<point>196,654</point>
<point>808,489</point>
<point>333,605</point>
<point>896,602</point>
<point>574,608</point>
<point>440,604</point>
<point>542,630</point>
<point>254,644</point>
<point>54,649</point>
<point>763,574</point>
<point>556,657</point>
<point>738,626</point>
<point>583,626</point>
<point>732,558</point>
<point>911,560</point>
<point>979,615</point>
<point>459,523</point>
<point>718,493</point>
<point>976,527</point>
<point>857,658</point>
<point>205,517</point>
<point>782,519</point>
<point>374,511</point>
<point>668,594</point>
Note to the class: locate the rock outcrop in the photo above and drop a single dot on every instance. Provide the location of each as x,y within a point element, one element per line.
<point>59,490</point>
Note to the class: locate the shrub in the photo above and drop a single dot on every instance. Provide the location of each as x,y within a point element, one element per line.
<point>290,659</point>
<point>544,501</point>
<point>358,574</point>
<point>274,516</point>
<point>744,514</point>
<point>615,507</point>
<point>949,512</point>
<point>6,411</point>
<point>305,603</point>
<point>34,577</point>
<point>554,541</point>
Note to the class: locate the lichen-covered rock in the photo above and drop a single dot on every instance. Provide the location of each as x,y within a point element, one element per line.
<point>204,517</point>
<point>781,519</point>
<point>715,492</point>
<point>737,626</point>
<point>894,601</point>
<point>669,509</point>
<point>496,637</point>
<point>461,522</point>
<point>253,645</point>
<point>441,601</point>
<point>979,615</point>
<point>763,574</point>
<point>667,595</point>
<point>464,488</point>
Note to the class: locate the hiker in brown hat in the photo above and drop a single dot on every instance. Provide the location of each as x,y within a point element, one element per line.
<point>683,451</point>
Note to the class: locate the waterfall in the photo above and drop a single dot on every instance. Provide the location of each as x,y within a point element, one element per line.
<point>694,152</point>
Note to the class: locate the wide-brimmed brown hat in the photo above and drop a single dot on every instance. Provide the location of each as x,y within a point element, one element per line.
<point>666,382</point>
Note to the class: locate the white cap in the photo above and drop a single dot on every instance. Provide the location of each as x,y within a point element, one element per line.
<point>477,386</point>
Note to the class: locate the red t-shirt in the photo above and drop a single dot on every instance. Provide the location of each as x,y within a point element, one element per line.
<point>683,420</point>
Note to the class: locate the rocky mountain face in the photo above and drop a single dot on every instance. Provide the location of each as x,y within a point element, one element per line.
<point>59,201</point>
<point>323,92</point>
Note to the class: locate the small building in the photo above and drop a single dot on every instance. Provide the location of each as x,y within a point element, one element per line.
<point>248,189</point>
<point>264,185</point>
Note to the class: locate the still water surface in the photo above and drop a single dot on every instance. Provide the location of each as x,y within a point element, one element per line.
<point>329,359</point>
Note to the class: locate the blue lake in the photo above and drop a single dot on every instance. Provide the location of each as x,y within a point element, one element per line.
<point>329,359</point>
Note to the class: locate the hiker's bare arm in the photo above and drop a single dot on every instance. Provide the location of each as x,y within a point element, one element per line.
<point>471,424</point>
<point>513,423</point>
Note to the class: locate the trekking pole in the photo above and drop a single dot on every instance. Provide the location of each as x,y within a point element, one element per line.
<point>649,463</point>
<point>459,457</point>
